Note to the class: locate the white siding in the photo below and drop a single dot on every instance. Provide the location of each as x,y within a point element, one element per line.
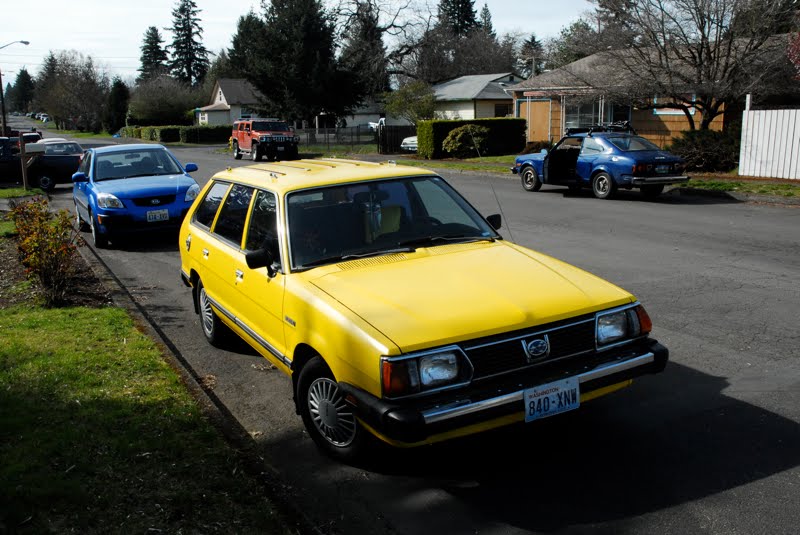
<point>770,144</point>
<point>455,110</point>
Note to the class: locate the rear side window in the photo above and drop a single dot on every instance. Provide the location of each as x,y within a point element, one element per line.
<point>232,215</point>
<point>208,208</point>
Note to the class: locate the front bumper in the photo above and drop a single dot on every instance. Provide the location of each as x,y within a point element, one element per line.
<point>656,180</point>
<point>421,419</point>
<point>116,224</point>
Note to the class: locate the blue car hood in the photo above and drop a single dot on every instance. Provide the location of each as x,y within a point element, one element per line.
<point>145,185</point>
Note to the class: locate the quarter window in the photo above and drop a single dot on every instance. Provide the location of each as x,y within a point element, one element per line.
<point>208,208</point>
<point>590,146</point>
<point>232,215</point>
<point>263,229</point>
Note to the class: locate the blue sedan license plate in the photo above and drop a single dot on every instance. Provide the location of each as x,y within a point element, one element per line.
<point>157,215</point>
<point>553,398</point>
<point>662,169</point>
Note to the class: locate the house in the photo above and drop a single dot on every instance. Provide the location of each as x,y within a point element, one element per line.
<point>232,99</point>
<point>563,98</point>
<point>478,96</point>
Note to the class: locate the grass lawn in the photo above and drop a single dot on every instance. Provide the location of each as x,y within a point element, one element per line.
<point>7,228</point>
<point>755,186</point>
<point>99,435</point>
<point>12,193</point>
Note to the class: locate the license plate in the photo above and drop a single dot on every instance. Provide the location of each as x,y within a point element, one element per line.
<point>553,398</point>
<point>157,215</point>
<point>280,148</point>
<point>662,168</point>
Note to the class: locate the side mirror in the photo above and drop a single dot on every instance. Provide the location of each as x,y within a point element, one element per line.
<point>261,258</point>
<point>80,176</point>
<point>543,151</point>
<point>495,221</point>
<point>191,167</point>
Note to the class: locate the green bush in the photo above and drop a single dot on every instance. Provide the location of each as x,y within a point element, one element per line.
<point>47,245</point>
<point>206,134</point>
<point>168,134</point>
<point>148,133</point>
<point>137,132</point>
<point>506,135</point>
<point>708,150</point>
<point>466,141</point>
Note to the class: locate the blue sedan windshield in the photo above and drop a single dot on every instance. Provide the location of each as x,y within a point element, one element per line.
<point>632,143</point>
<point>135,163</point>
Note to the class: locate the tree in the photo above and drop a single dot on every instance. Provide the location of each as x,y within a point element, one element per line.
<point>23,91</point>
<point>794,53</point>
<point>221,67</point>
<point>485,22</point>
<point>531,57</point>
<point>364,54</point>
<point>243,53</point>
<point>117,105</point>
<point>189,62</point>
<point>414,102</point>
<point>154,57</point>
<point>458,16</point>
<point>576,41</point>
<point>163,100</point>
<point>702,54</point>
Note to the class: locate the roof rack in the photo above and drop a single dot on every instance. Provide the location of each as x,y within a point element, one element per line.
<point>617,126</point>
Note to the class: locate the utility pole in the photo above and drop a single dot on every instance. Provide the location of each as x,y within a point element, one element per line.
<point>2,90</point>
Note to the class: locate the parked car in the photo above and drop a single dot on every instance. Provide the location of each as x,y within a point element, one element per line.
<point>130,189</point>
<point>409,144</point>
<point>10,171</point>
<point>272,138</point>
<point>59,162</point>
<point>398,311</point>
<point>604,158</point>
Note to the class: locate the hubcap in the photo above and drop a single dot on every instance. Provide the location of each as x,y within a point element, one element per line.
<point>331,415</point>
<point>528,178</point>
<point>602,185</point>
<point>206,313</point>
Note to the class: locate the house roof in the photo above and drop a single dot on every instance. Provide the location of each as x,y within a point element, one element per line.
<point>571,76</point>
<point>474,87</point>
<point>237,91</point>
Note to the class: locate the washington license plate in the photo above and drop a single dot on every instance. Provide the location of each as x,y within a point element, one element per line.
<point>157,215</point>
<point>662,169</point>
<point>553,398</point>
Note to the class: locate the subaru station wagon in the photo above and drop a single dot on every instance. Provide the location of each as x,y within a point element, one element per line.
<point>399,313</point>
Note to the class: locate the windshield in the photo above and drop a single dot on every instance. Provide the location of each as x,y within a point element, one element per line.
<point>263,126</point>
<point>135,163</point>
<point>349,221</point>
<point>632,143</point>
<point>60,149</point>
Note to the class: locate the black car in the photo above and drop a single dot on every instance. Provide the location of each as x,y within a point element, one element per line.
<point>57,165</point>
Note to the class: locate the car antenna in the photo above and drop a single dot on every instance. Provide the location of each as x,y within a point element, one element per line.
<point>500,207</point>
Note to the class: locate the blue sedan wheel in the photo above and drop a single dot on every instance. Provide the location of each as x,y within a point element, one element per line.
<point>530,179</point>
<point>603,186</point>
<point>99,240</point>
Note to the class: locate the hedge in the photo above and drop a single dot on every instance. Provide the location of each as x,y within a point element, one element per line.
<point>206,134</point>
<point>506,135</point>
<point>708,150</point>
<point>175,133</point>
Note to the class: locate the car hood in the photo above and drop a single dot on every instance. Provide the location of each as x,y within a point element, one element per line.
<point>145,185</point>
<point>448,294</point>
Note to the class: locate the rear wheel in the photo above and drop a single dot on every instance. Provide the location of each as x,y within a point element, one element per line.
<point>652,191</point>
<point>213,328</point>
<point>46,183</point>
<point>530,179</point>
<point>329,419</point>
<point>237,154</point>
<point>603,186</point>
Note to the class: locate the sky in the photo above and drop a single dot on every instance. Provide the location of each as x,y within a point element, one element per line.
<point>111,31</point>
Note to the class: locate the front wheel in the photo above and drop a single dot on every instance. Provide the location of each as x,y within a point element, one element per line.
<point>79,222</point>
<point>329,419</point>
<point>603,186</point>
<point>237,154</point>
<point>99,240</point>
<point>652,191</point>
<point>530,179</point>
<point>255,154</point>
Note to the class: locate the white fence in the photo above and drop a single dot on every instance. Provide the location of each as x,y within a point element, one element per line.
<point>770,144</point>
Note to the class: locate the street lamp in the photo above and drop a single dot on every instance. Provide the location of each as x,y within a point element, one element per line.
<point>4,131</point>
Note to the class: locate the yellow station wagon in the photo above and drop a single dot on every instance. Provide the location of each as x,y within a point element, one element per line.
<point>398,311</point>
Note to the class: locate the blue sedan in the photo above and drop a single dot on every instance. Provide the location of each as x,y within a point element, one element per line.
<point>128,189</point>
<point>604,160</point>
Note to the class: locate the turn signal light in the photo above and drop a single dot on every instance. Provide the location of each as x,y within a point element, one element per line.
<point>645,323</point>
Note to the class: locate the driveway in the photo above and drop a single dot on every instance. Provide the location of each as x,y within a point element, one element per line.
<point>711,445</point>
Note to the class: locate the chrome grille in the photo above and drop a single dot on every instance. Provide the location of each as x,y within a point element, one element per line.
<point>494,356</point>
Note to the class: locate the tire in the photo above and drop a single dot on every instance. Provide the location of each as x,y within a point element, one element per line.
<point>530,179</point>
<point>80,224</point>
<point>255,154</point>
<point>214,330</point>
<point>100,241</point>
<point>46,183</point>
<point>330,422</point>
<point>652,191</point>
<point>237,154</point>
<point>603,186</point>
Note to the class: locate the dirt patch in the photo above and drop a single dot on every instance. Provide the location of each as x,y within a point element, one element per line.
<point>17,288</point>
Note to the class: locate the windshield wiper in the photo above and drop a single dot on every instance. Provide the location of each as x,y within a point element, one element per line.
<point>457,238</point>
<point>355,256</point>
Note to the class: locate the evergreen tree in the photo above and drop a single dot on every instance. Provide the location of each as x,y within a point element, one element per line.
<point>364,54</point>
<point>23,91</point>
<point>485,22</point>
<point>250,30</point>
<point>531,57</point>
<point>458,16</point>
<point>117,106</point>
<point>154,57</point>
<point>189,62</point>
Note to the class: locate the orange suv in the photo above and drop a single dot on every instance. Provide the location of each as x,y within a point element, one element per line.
<point>264,137</point>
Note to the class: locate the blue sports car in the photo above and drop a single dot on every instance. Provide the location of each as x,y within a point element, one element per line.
<point>128,189</point>
<point>604,159</point>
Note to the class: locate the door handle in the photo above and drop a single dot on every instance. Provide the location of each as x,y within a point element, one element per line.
<point>239,274</point>
<point>205,253</point>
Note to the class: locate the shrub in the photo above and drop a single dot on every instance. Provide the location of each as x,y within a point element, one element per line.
<point>533,147</point>
<point>47,245</point>
<point>466,141</point>
<point>148,133</point>
<point>708,150</point>
<point>506,135</point>
<point>168,134</point>
<point>206,134</point>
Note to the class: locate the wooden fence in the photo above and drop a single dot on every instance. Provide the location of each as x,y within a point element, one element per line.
<point>770,144</point>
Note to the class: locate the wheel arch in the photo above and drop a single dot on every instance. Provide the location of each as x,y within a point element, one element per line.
<point>303,353</point>
<point>194,277</point>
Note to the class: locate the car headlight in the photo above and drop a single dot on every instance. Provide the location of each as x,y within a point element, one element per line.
<point>622,324</point>
<point>106,200</point>
<point>191,193</point>
<point>428,372</point>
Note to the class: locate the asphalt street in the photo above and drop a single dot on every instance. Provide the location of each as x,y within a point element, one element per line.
<point>712,445</point>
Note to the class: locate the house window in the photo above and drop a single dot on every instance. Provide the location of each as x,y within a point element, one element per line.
<point>503,110</point>
<point>219,96</point>
<point>203,118</point>
<point>588,114</point>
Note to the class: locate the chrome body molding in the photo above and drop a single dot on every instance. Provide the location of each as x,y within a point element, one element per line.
<point>439,414</point>
<point>251,333</point>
